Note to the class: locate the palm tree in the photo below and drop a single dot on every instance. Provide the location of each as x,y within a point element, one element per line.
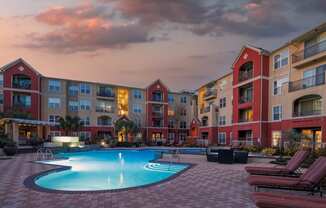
<point>69,124</point>
<point>126,126</point>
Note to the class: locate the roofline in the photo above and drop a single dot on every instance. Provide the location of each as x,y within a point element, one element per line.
<point>218,79</point>
<point>252,47</point>
<point>318,29</point>
<point>13,63</point>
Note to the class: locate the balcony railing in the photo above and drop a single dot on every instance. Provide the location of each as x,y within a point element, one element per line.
<point>157,114</point>
<point>307,82</point>
<point>243,120</point>
<point>104,110</point>
<point>22,85</point>
<point>307,113</point>
<point>245,99</point>
<point>210,93</point>
<point>309,52</point>
<point>105,94</point>
<point>157,99</point>
<point>245,75</point>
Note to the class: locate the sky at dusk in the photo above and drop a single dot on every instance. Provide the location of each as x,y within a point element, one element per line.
<point>185,43</point>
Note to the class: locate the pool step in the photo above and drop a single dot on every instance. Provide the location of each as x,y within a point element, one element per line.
<point>161,167</point>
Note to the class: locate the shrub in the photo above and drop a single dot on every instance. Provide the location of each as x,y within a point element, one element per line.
<point>269,151</point>
<point>251,148</point>
<point>124,144</point>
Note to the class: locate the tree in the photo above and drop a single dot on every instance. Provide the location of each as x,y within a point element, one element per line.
<point>126,126</point>
<point>70,124</point>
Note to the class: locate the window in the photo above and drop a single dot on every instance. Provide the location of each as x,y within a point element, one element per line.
<point>85,88</point>
<point>54,85</point>
<point>54,118</point>
<point>277,113</point>
<point>1,99</point>
<point>137,108</point>
<point>73,106</point>
<point>137,94</point>
<point>183,112</point>
<point>183,99</point>
<point>281,59</point>
<point>21,81</point>
<point>104,106</point>
<point>171,136</point>
<point>277,85</point>
<point>85,121</point>
<point>73,90</point>
<point>54,103</point>
<point>1,79</point>
<point>171,123</point>
<point>222,120</point>
<point>170,98</point>
<point>85,105</point>
<point>276,137</point>
<point>104,121</point>
<point>223,102</point>
<point>85,135</point>
<point>221,138</point>
<point>183,124</point>
<point>105,91</point>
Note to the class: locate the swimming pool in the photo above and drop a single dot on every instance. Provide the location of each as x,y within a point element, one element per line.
<point>107,170</point>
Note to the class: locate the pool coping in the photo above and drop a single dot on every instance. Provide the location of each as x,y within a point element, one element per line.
<point>29,182</point>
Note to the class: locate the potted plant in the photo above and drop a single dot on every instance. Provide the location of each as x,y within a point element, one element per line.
<point>10,148</point>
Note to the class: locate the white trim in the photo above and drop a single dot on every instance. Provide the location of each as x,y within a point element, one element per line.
<point>22,90</point>
<point>250,80</point>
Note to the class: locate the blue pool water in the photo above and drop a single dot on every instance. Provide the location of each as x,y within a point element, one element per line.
<point>107,170</point>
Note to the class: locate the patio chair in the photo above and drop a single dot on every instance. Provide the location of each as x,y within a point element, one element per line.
<point>309,181</point>
<point>293,165</point>
<point>270,200</point>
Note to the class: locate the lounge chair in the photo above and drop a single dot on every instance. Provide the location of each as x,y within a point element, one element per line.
<point>289,169</point>
<point>309,181</point>
<point>270,200</point>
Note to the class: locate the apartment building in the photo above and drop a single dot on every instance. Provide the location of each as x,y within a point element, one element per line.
<point>33,103</point>
<point>271,93</point>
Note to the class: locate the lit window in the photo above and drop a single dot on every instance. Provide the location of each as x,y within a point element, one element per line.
<point>277,113</point>
<point>276,137</point>
<point>54,85</point>
<point>54,103</point>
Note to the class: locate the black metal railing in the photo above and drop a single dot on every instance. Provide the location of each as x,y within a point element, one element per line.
<point>307,113</point>
<point>309,52</point>
<point>245,75</point>
<point>105,94</point>
<point>307,82</point>
<point>104,110</point>
<point>242,120</point>
<point>210,93</point>
<point>245,99</point>
<point>22,84</point>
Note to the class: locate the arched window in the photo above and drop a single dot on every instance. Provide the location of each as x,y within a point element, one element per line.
<point>21,81</point>
<point>307,105</point>
<point>246,71</point>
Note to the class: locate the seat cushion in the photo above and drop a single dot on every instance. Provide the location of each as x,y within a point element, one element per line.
<point>274,181</point>
<point>266,170</point>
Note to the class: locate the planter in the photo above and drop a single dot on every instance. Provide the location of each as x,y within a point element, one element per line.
<point>10,150</point>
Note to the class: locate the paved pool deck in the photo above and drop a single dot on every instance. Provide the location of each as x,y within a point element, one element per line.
<point>205,185</point>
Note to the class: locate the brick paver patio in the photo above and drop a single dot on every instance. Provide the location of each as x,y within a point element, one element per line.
<point>205,185</point>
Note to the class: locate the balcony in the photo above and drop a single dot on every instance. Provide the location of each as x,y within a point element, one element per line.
<point>245,75</point>
<point>245,99</point>
<point>309,54</point>
<point>105,94</point>
<point>21,82</point>
<point>307,82</point>
<point>307,113</point>
<point>156,114</point>
<point>210,94</point>
<point>104,110</point>
<point>205,110</point>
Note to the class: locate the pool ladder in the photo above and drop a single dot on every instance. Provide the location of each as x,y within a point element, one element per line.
<point>44,154</point>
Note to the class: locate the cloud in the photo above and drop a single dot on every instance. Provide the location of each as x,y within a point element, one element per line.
<point>85,28</point>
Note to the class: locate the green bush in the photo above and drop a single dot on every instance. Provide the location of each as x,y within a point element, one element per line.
<point>269,151</point>
<point>5,141</point>
<point>251,148</point>
<point>124,144</point>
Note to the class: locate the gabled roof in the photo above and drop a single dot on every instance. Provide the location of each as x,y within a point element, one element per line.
<point>17,61</point>
<point>158,81</point>
<point>257,49</point>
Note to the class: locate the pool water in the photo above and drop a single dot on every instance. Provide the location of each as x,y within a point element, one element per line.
<point>107,170</point>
